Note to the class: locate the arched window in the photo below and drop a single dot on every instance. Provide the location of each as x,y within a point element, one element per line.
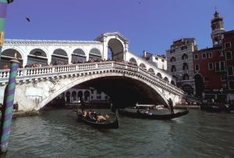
<point>185,66</point>
<point>184,56</point>
<point>173,68</point>
<point>173,59</point>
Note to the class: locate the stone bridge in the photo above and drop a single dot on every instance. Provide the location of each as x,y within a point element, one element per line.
<point>104,63</point>
<point>126,84</point>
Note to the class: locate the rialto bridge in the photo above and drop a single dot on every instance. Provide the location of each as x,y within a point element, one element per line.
<point>105,64</point>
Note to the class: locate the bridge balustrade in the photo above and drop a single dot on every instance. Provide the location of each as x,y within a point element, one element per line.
<point>50,71</point>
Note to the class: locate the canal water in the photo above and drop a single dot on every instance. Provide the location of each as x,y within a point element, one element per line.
<point>57,134</point>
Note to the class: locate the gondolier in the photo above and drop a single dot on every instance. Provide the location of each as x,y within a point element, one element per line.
<point>171,105</point>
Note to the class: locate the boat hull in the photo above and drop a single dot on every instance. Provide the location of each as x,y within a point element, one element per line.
<point>153,116</point>
<point>111,124</point>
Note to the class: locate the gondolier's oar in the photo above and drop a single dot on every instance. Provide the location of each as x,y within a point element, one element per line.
<point>8,106</point>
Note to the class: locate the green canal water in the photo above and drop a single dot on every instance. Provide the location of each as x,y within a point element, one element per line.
<point>58,134</point>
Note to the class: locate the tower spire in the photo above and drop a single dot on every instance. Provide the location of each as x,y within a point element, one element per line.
<point>217,28</point>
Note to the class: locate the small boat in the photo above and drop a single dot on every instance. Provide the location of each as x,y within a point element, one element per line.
<point>153,114</point>
<point>106,124</point>
<point>218,108</point>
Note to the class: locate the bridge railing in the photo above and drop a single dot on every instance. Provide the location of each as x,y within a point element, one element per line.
<point>51,71</point>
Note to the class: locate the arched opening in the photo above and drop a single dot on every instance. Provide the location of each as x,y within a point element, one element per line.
<point>133,61</point>
<point>143,66</point>
<point>151,71</point>
<point>173,83</point>
<point>173,68</point>
<point>80,95</point>
<point>78,56</point>
<point>68,97</point>
<point>116,51</point>
<point>8,55</point>
<point>173,59</point>
<point>37,57</point>
<point>185,66</point>
<point>86,95</point>
<point>73,95</point>
<point>95,55</point>
<point>159,75</point>
<point>184,56</point>
<point>199,87</point>
<point>59,57</point>
<point>166,79</point>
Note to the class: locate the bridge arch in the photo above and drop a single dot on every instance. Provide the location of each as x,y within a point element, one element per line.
<point>38,86</point>
<point>141,90</point>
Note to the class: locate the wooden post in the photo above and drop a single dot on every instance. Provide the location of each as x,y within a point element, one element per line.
<point>8,106</point>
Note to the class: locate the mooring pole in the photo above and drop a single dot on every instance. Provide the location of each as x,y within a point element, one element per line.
<point>3,12</point>
<point>8,105</point>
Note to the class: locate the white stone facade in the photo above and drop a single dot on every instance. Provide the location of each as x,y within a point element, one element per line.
<point>180,63</point>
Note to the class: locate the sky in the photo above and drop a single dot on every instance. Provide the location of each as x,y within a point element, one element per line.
<point>150,25</point>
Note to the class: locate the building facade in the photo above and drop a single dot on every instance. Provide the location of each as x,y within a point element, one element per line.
<point>213,67</point>
<point>160,61</point>
<point>180,63</point>
<point>228,50</point>
<point>210,73</point>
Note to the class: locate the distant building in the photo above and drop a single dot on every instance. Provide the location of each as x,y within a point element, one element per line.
<point>160,61</point>
<point>180,63</point>
<point>228,50</point>
<point>210,73</point>
<point>214,67</point>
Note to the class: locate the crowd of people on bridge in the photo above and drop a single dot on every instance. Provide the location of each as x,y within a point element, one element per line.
<point>61,62</point>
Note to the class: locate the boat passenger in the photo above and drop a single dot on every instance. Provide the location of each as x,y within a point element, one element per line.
<point>148,111</point>
<point>100,118</point>
<point>107,116</point>
<point>85,114</point>
<point>92,115</point>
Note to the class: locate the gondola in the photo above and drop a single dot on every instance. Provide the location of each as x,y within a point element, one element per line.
<point>108,124</point>
<point>154,114</point>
